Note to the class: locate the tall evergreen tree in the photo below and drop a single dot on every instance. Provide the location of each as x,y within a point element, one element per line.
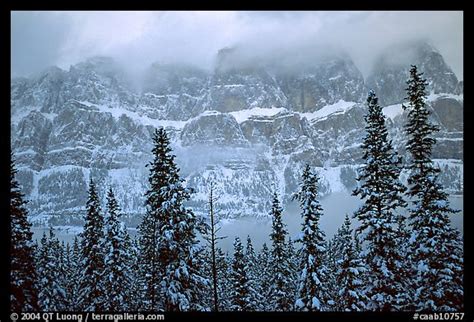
<point>382,193</point>
<point>116,273</point>
<point>240,295</point>
<point>280,292</point>
<point>24,293</point>
<point>333,258</point>
<point>91,294</point>
<point>69,276</point>
<point>168,236</point>
<point>137,286</point>
<point>351,289</point>
<point>294,256</point>
<point>256,301</point>
<point>75,273</point>
<point>52,293</point>
<point>436,247</point>
<point>265,279</point>
<point>312,294</point>
<point>224,268</point>
<point>59,259</point>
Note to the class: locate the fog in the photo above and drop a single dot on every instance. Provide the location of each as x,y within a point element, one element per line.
<point>335,207</point>
<point>139,38</point>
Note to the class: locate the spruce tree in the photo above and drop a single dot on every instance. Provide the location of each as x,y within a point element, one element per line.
<point>224,265</point>
<point>436,247</point>
<point>350,268</point>
<point>280,291</point>
<point>332,259</point>
<point>69,276</point>
<point>74,280</point>
<point>91,294</point>
<point>168,236</point>
<point>293,258</point>
<point>58,253</point>
<point>265,279</point>
<point>52,293</point>
<point>23,275</point>
<point>43,268</point>
<point>137,286</point>
<point>382,193</point>
<point>240,294</point>
<point>116,273</point>
<point>256,300</point>
<point>312,294</point>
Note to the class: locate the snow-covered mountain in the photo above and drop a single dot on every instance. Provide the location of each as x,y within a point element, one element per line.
<point>250,128</point>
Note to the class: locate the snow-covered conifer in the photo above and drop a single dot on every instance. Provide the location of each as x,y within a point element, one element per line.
<point>116,275</point>
<point>436,247</point>
<point>382,194</point>
<point>312,294</point>
<point>281,296</point>
<point>23,275</point>
<point>91,295</point>
<point>168,236</point>
<point>240,294</point>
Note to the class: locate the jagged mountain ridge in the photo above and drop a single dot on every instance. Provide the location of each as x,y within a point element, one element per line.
<point>250,129</point>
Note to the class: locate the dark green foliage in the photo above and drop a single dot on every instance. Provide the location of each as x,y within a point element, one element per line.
<point>382,193</point>
<point>23,275</point>
<point>435,247</point>
<point>91,294</point>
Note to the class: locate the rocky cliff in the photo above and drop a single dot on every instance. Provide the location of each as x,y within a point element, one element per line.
<point>249,128</point>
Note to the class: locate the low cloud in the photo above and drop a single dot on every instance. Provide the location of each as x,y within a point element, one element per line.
<point>137,39</point>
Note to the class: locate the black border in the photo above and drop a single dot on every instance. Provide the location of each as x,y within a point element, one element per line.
<point>206,5</point>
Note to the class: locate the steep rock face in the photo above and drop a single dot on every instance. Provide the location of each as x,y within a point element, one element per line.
<point>238,89</point>
<point>316,86</point>
<point>283,132</point>
<point>213,127</point>
<point>240,126</point>
<point>388,78</point>
<point>238,85</point>
<point>42,91</point>
<point>178,92</point>
<point>450,113</point>
<point>32,139</point>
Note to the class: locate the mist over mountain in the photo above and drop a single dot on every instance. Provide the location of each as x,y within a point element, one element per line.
<point>249,124</point>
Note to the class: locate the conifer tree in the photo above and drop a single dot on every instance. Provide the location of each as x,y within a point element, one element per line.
<point>168,236</point>
<point>436,247</point>
<point>253,274</point>
<point>23,275</point>
<point>69,276</point>
<point>52,293</point>
<point>75,267</point>
<point>312,294</point>
<point>265,279</point>
<point>382,193</point>
<point>280,291</point>
<point>294,256</point>
<point>116,266</point>
<point>137,286</point>
<point>240,294</point>
<point>224,266</point>
<point>332,259</point>
<point>91,294</point>
<point>351,291</point>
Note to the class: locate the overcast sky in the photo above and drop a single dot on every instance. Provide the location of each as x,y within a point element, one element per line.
<point>43,39</point>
